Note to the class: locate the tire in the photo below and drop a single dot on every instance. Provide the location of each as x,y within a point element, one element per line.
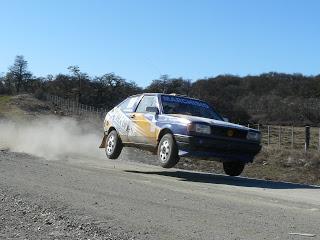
<point>168,151</point>
<point>113,145</point>
<point>233,168</point>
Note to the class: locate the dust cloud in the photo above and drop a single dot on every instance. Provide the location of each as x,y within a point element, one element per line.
<point>52,138</point>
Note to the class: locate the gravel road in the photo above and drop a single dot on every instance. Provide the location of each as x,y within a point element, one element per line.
<point>96,198</point>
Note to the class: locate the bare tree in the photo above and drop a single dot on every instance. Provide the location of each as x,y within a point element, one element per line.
<point>164,78</point>
<point>19,73</point>
<point>2,84</point>
<point>75,70</point>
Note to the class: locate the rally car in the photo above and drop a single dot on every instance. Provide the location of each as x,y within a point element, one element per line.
<point>174,126</point>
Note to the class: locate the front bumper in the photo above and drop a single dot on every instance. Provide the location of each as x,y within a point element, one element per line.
<point>225,149</point>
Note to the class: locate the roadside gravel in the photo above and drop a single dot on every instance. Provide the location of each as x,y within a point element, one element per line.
<point>24,218</point>
<point>25,215</point>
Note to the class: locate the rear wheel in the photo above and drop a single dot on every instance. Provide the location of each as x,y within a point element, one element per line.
<point>168,151</point>
<point>233,168</point>
<point>113,145</point>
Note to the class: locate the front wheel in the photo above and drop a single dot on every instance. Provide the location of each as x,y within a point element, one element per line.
<point>113,145</point>
<point>233,168</point>
<point>168,151</point>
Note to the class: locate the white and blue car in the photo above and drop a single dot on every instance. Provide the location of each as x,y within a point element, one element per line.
<point>175,126</point>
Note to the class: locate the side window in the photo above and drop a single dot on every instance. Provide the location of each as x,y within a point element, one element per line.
<point>147,101</point>
<point>128,104</point>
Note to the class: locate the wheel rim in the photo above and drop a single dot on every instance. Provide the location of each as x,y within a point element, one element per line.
<point>164,151</point>
<point>110,144</point>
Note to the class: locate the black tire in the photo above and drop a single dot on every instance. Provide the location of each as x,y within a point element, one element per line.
<point>233,168</point>
<point>113,145</point>
<point>168,151</point>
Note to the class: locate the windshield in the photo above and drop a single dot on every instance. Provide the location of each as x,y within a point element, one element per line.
<point>187,106</point>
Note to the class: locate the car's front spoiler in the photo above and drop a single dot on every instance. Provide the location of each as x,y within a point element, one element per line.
<point>223,149</point>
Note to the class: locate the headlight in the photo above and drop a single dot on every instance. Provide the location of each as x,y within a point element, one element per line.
<point>199,128</point>
<point>254,136</point>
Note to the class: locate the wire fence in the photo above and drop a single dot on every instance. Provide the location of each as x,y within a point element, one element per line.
<point>289,137</point>
<point>71,107</point>
<point>285,137</point>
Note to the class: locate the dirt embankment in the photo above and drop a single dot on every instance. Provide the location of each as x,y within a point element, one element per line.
<point>36,127</point>
<point>271,164</point>
<point>23,107</point>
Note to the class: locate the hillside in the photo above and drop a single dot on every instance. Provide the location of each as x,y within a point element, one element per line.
<point>23,106</point>
<point>269,98</point>
<point>38,118</point>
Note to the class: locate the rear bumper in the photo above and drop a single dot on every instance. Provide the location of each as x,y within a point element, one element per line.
<point>221,148</point>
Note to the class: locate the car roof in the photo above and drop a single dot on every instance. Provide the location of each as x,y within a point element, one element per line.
<point>165,94</point>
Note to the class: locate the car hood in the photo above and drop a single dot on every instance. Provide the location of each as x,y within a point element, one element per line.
<point>210,121</point>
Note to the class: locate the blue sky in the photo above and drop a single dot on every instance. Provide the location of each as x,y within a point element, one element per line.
<point>141,39</point>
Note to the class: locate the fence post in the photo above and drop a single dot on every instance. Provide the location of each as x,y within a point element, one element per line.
<point>319,140</point>
<point>279,136</point>
<point>307,138</point>
<point>268,135</point>
<point>292,137</point>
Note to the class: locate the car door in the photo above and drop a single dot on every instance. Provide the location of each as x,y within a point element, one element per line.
<point>143,129</point>
<point>121,118</point>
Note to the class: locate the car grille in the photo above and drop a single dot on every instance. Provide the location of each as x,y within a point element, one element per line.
<point>228,132</point>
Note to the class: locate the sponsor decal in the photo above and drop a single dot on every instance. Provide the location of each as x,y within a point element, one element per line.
<point>120,120</point>
<point>174,99</point>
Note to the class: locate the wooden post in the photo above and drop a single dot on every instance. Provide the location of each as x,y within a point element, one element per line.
<point>77,108</point>
<point>307,138</point>
<point>268,135</point>
<point>292,137</point>
<point>319,140</point>
<point>279,136</point>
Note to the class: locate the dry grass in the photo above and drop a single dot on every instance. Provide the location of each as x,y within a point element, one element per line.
<point>286,137</point>
<point>286,165</point>
<point>271,164</point>
<point>7,110</point>
<point>4,99</point>
<point>22,107</point>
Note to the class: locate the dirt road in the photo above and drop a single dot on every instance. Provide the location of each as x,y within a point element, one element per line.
<point>95,198</point>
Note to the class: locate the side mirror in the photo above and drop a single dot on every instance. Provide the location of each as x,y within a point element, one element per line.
<point>152,110</point>
<point>225,119</point>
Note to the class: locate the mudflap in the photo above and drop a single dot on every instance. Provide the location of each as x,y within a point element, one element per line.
<point>103,143</point>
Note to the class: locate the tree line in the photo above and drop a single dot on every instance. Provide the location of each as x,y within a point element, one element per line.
<point>273,98</point>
